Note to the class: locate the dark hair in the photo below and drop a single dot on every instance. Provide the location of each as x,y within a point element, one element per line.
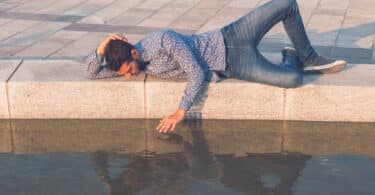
<point>116,53</point>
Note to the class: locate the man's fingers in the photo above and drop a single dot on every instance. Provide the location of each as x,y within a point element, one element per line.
<point>159,126</point>
<point>173,126</point>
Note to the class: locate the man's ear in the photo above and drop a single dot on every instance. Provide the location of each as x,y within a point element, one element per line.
<point>135,53</point>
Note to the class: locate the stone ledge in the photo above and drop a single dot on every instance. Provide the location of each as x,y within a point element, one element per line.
<point>58,89</point>
<point>7,67</point>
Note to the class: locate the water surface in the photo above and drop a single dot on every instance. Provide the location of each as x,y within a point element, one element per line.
<point>201,157</point>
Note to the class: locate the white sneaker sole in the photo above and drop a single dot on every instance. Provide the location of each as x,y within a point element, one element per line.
<point>336,66</point>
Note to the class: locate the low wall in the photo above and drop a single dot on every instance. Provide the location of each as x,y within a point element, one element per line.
<point>58,89</point>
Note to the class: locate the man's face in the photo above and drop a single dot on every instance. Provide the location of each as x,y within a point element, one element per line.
<point>129,68</point>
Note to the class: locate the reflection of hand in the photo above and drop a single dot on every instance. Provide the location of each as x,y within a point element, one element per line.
<point>113,36</point>
<point>169,123</point>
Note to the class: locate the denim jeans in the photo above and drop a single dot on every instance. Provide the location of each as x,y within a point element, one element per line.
<point>241,37</point>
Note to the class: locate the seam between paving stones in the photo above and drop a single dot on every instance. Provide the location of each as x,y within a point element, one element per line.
<point>8,102</point>
<point>149,16</point>
<point>214,15</point>
<point>338,34</point>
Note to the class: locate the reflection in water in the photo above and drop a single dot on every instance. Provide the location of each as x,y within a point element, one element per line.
<point>202,157</point>
<point>173,173</point>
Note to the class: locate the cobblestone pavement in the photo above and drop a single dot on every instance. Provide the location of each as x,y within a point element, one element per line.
<point>71,29</point>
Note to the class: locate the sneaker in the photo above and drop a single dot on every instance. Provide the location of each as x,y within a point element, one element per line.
<point>290,58</point>
<point>323,65</point>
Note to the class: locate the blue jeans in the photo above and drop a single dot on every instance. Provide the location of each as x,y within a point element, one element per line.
<point>241,37</point>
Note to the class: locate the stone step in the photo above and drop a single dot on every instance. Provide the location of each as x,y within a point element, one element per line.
<point>52,89</point>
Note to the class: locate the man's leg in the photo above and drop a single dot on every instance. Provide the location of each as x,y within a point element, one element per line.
<point>251,28</point>
<point>250,65</point>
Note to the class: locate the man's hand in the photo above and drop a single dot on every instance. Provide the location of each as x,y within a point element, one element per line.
<point>113,36</point>
<point>169,123</point>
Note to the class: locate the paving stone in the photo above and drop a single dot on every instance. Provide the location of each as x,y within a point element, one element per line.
<point>212,3</point>
<point>355,42</point>
<point>352,53</point>
<point>215,23</point>
<point>277,32</point>
<point>106,14</point>
<point>164,97</point>
<point>58,89</point>
<point>182,3</point>
<point>194,18</point>
<point>320,138</point>
<point>163,17</point>
<point>325,23</point>
<point>41,17</point>
<point>324,29</point>
<point>69,35</point>
<point>153,4</point>
<point>131,17</point>
<point>59,7</point>
<point>312,4</point>
<point>9,50</point>
<point>32,6</point>
<point>14,27</point>
<point>34,33</point>
<point>88,7</point>
<point>352,60</point>
<point>82,47</point>
<point>7,67</point>
<point>243,3</point>
<point>331,96</point>
<point>4,21</point>
<point>85,135</point>
<point>5,138</point>
<point>334,4</point>
<point>365,5</point>
<point>43,48</point>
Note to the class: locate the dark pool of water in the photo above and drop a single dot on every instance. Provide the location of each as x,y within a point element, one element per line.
<point>202,157</point>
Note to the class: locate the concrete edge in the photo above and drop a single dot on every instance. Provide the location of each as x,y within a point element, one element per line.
<point>335,97</point>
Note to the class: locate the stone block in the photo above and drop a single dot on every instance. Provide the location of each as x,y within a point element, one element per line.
<point>58,89</point>
<point>11,28</point>
<point>7,67</point>
<point>131,17</point>
<point>78,135</point>
<point>43,48</point>
<point>164,17</point>
<point>5,138</point>
<point>334,4</point>
<point>329,138</point>
<point>153,4</point>
<point>87,7</point>
<point>115,9</point>
<point>81,47</point>
<point>229,99</point>
<point>345,96</point>
<point>243,3</point>
<point>59,7</point>
<point>34,33</point>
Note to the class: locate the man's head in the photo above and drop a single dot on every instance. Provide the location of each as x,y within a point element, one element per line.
<point>122,57</point>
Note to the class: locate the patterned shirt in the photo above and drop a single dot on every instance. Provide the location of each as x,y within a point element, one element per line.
<point>171,55</point>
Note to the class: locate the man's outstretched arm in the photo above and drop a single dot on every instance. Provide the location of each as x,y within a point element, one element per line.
<point>180,52</point>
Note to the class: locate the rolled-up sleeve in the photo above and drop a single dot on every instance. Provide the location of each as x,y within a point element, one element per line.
<point>180,52</point>
<point>96,67</point>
